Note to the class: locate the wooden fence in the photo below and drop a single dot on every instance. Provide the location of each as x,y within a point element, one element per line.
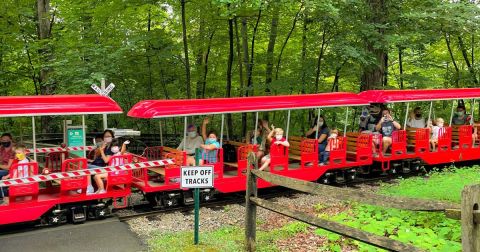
<point>468,211</point>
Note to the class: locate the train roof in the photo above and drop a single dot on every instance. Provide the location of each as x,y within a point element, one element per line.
<point>43,105</point>
<point>186,107</point>
<point>391,96</point>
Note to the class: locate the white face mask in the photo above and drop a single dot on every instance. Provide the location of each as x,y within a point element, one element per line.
<point>115,149</point>
<point>333,135</point>
<point>440,125</point>
<point>320,124</point>
<point>192,134</point>
<point>278,137</point>
<point>107,139</point>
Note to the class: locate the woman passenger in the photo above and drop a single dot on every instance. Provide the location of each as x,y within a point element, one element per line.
<point>209,149</point>
<point>260,137</point>
<point>98,160</point>
<point>323,133</point>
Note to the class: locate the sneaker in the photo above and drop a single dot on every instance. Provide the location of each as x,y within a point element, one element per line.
<point>322,164</point>
<point>79,191</point>
<point>101,191</point>
<point>90,189</point>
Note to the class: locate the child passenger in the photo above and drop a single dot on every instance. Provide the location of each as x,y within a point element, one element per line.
<point>117,151</point>
<point>20,158</point>
<point>211,146</point>
<point>333,144</point>
<point>435,132</point>
<point>278,140</point>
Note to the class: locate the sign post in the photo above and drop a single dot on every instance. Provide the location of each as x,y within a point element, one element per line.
<point>102,90</point>
<point>196,177</point>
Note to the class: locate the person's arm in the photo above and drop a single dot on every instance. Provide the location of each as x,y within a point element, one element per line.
<point>379,124</point>
<point>7,166</point>
<point>248,140</point>
<point>105,158</point>
<point>265,126</point>
<point>322,138</point>
<point>124,147</point>
<point>204,127</point>
<point>397,125</point>
<point>270,135</point>
<point>311,131</point>
<point>285,143</point>
<point>180,147</point>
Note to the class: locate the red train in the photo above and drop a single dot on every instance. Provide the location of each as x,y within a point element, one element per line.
<point>65,199</point>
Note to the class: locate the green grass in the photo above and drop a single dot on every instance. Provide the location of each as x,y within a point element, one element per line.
<point>224,239</point>
<point>446,185</point>
<point>427,230</point>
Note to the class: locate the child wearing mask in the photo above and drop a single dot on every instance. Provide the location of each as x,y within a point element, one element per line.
<point>209,149</point>
<point>333,144</point>
<point>278,140</point>
<point>117,151</point>
<point>20,158</point>
<point>435,132</point>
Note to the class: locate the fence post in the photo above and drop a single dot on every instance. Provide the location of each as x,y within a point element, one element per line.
<point>251,208</point>
<point>471,218</point>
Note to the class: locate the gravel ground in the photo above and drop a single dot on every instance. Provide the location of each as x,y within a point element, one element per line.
<point>234,215</point>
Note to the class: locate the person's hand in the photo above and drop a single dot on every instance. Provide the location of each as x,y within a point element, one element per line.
<point>315,127</point>
<point>278,142</point>
<point>206,120</point>
<point>265,124</point>
<point>273,127</point>
<point>102,148</point>
<point>412,115</point>
<point>202,146</point>
<point>126,142</point>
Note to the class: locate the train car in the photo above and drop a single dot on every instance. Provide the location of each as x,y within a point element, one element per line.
<point>456,143</point>
<point>60,200</point>
<point>300,160</point>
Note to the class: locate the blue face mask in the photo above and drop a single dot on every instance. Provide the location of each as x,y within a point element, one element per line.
<point>210,140</point>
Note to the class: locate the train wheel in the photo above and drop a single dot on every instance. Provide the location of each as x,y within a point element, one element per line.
<point>153,199</point>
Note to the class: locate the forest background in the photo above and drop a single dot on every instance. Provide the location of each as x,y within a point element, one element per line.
<point>225,48</point>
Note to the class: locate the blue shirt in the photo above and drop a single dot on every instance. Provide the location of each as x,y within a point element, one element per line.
<point>210,156</point>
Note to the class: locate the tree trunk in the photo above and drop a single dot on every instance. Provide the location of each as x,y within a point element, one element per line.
<point>271,47</point>
<point>304,51</point>
<point>149,63</point>
<point>246,61</point>
<point>229,72</point>
<point>457,71</point>
<point>373,75</point>
<point>319,59</point>
<point>286,41</point>
<point>185,50</point>
<point>400,64</point>
<point>252,49</point>
<point>200,60</point>
<point>467,61</point>
<point>239,57</point>
<point>205,66</point>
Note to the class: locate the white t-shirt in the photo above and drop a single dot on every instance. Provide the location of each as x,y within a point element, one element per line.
<point>192,144</point>
<point>435,131</point>
<point>416,123</point>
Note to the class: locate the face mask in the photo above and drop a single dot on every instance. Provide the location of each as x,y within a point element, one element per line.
<point>333,135</point>
<point>98,144</point>
<point>107,139</point>
<point>320,124</point>
<point>440,125</point>
<point>459,113</point>
<point>418,115</point>
<point>192,134</point>
<point>115,149</point>
<point>210,141</point>
<point>6,144</point>
<point>278,137</point>
<point>20,156</point>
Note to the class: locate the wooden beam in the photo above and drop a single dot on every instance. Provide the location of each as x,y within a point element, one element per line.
<point>359,235</point>
<point>470,218</point>
<point>355,195</point>
<point>251,208</point>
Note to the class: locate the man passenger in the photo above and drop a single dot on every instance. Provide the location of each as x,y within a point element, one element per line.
<point>416,120</point>
<point>387,126</point>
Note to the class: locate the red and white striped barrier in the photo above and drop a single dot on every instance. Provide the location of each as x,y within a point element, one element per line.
<point>52,149</point>
<point>81,173</point>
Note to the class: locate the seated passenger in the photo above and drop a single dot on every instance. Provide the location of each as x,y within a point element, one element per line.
<point>7,153</point>
<point>260,138</point>
<point>331,145</point>
<point>116,151</point>
<point>209,149</point>
<point>193,141</point>
<point>323,133</point>
<point>20,158</point>
<point>416,120</point>
<point>386,126</point>
<point>435,132</point>
<point>460,117</point>
<point>278,140</point>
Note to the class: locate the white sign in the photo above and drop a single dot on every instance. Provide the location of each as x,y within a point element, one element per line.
<point>109,89</point>
<point>97,89</point>
<point>196,176</point>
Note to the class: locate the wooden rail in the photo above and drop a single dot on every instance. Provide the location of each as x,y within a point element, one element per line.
<point>468,211</point>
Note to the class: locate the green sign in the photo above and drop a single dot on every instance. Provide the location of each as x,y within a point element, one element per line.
<point>75,139</point>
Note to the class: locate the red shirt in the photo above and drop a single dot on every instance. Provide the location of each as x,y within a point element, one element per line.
<point>6,155</point>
